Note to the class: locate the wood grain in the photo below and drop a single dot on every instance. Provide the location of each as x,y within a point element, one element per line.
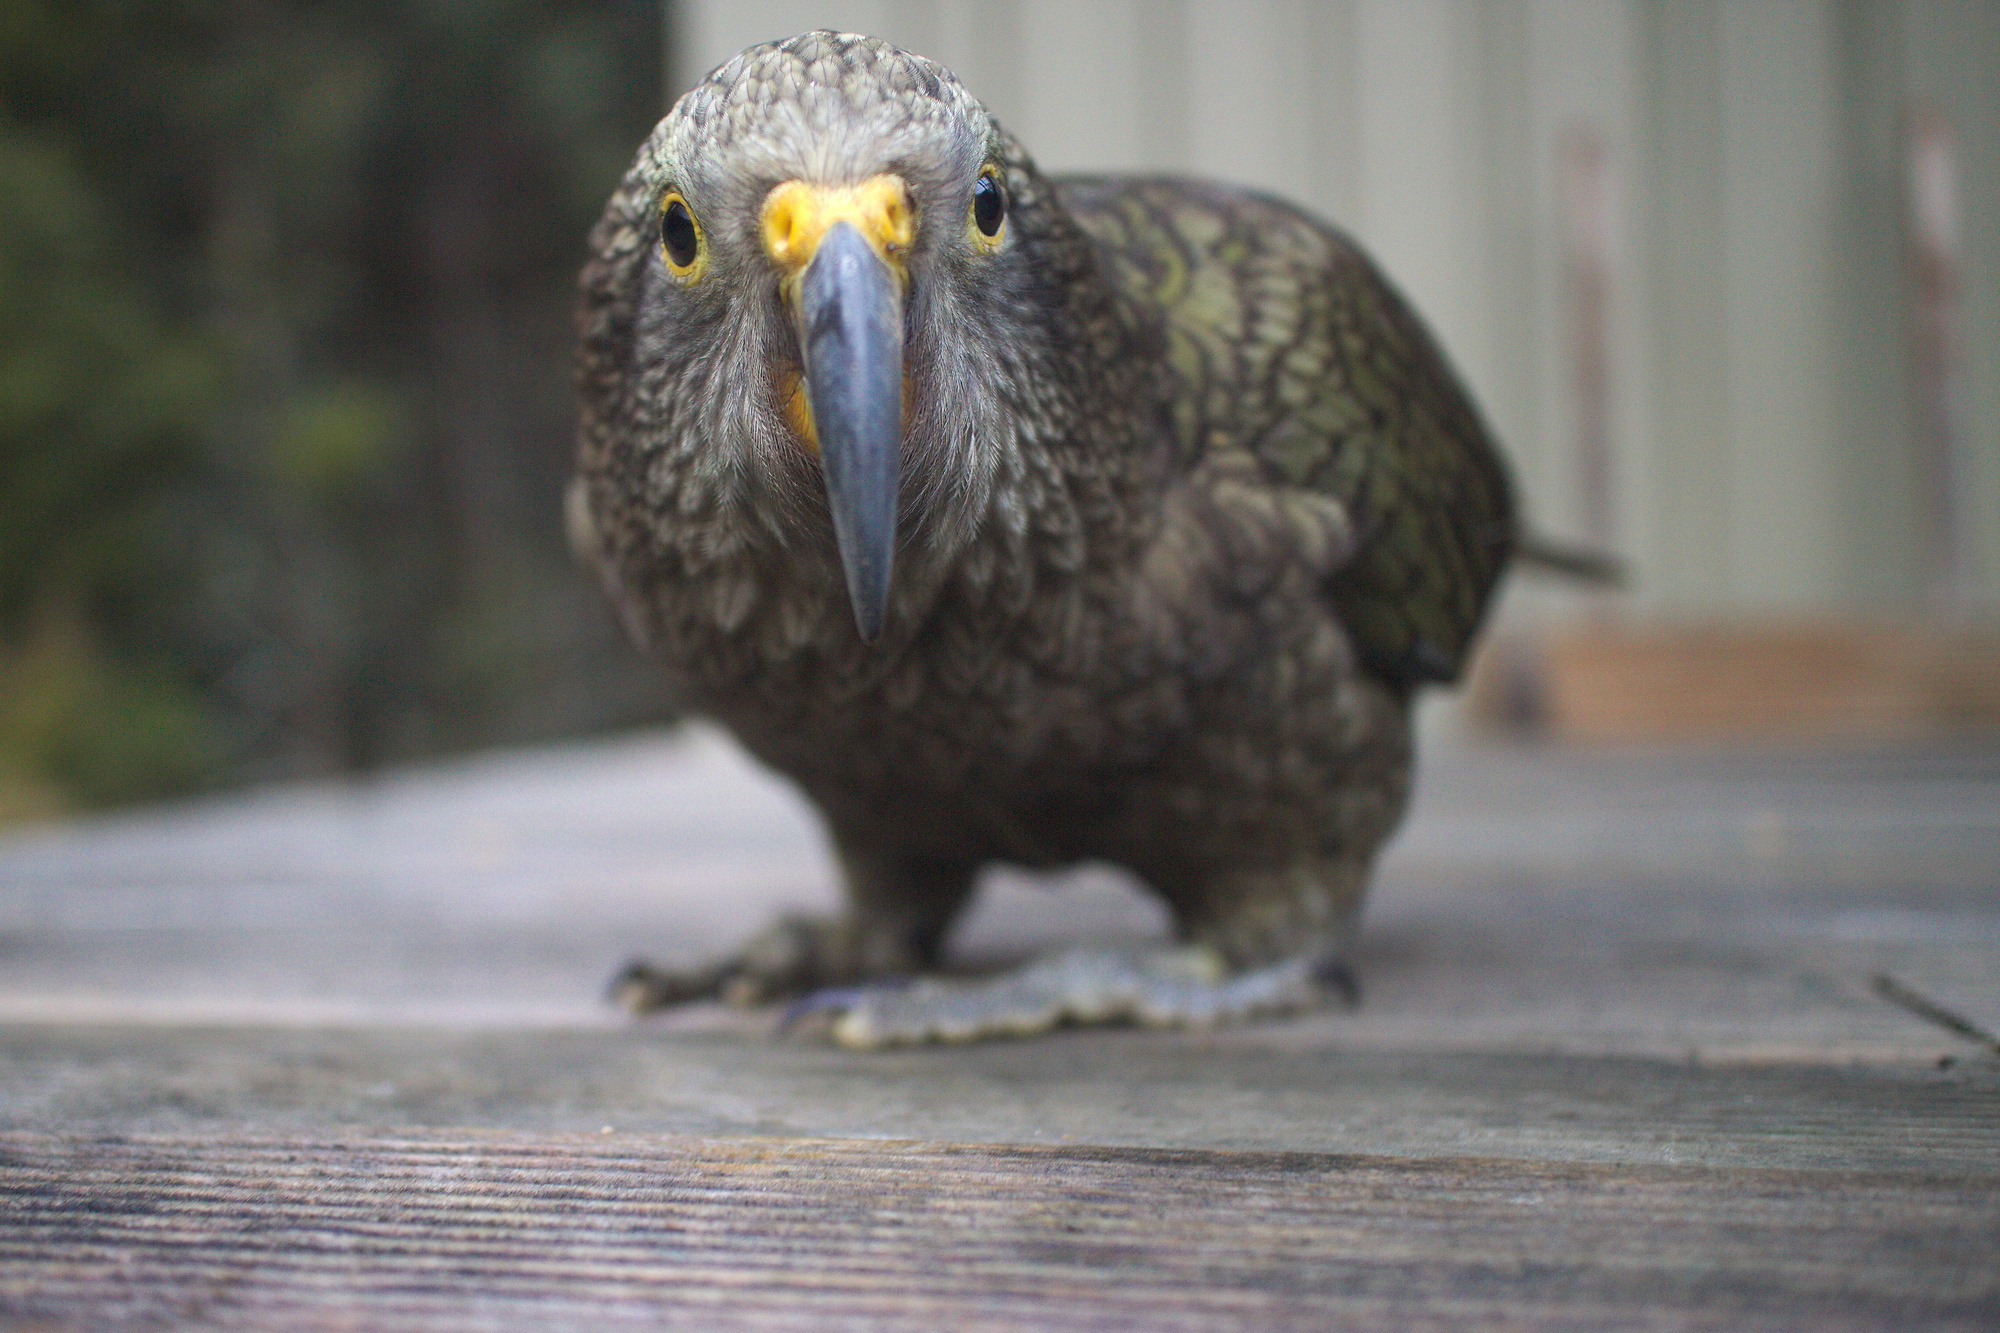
<point>502,1232</point>
<point>336,1057</point>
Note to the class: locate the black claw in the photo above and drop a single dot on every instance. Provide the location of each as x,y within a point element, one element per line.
<point>1341,979</point>
<point>642,988</point>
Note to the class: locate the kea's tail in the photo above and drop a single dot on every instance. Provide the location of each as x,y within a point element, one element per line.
<point>1572,562</point>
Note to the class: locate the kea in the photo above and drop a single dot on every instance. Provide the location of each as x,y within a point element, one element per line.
<point>1023,519</point>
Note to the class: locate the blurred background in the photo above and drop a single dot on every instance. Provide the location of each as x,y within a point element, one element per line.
<point>284,383</point>
<point>284,291</point>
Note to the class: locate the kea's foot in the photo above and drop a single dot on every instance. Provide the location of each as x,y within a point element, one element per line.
<point>793,956</point>
<point>1184,987</point>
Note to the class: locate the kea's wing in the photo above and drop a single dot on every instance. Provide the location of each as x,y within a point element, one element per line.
<point>1284,340</point>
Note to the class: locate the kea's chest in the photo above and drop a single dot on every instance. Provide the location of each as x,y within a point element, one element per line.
<point>972,701</point>
<point>1069,731</point>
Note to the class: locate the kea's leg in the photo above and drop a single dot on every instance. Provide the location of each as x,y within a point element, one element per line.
<point>1305,914</point>
<point>898,911</point>
<point>1259,829</point>
<point>1254,943</point>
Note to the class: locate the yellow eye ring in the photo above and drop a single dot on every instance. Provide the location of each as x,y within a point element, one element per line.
<point>986,219</point>
<point>682,243</point>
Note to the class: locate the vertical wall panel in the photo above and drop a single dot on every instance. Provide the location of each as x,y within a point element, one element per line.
<point>1081,85</point>
<point>1499,360</point>
<point>1778,145</point>
<point>1880,521</point>
<point>1952,53</point>
<point>980,40</point>
<point>1409,157</point>
<point>1255,59</point>
<point>1682,166</point>
<point>1329,108</point>
<point>1583,80</point>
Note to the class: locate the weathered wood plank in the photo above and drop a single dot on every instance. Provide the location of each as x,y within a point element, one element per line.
<point>1657,904</point>
<point>1256,1088</point>
<point>336,1057</point>
<point>503,1231</point>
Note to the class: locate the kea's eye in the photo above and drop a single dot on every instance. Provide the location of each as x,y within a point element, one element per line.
<point>989,205</point>
<point>680,238</point>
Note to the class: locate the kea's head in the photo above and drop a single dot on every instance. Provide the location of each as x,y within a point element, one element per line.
<point>843,310</point>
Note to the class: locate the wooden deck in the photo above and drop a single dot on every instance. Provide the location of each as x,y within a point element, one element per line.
<point>335,1057</point>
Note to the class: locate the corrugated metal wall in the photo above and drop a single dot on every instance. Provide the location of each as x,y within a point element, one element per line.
<point>1756,381</point>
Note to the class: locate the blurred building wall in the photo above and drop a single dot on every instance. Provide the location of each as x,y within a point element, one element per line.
<point>1754,387</point>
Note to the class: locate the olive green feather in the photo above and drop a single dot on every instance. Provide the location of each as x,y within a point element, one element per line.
<point>1283,337</point>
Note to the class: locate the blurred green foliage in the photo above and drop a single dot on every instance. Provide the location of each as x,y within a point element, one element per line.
<point>284,394</point>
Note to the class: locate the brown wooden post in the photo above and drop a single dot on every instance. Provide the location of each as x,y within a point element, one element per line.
<point>1588,244</point>
<point>1931,219</point>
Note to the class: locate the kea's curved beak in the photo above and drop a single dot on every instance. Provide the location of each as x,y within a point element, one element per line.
<point>844,247</point>
<point>850,315</point>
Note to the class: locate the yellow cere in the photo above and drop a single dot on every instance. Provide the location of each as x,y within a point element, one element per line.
<point>797,215</point>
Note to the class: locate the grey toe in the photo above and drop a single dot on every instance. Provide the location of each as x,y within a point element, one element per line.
<point>1167,988</point>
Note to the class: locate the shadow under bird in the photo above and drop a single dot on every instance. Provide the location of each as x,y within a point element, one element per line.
<point>1025,519</point>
